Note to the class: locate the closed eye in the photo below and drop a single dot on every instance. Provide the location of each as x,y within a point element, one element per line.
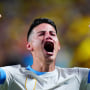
<point>41,33</point>
<point>53,33</point>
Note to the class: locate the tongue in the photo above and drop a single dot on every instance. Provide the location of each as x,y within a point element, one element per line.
<point>49,46</point>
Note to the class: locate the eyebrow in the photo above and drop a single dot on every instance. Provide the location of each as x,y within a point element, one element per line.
<point>45,31</point>
<point>40,31</point>
<point>53,31</point>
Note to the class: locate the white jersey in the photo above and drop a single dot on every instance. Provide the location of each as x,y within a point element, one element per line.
<point>19,78</point>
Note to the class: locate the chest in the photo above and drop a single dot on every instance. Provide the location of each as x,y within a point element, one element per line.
<point>48,83</point>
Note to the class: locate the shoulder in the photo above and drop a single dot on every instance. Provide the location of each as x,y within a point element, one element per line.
<point>76,70</point>
<point>8,73</point>
<point>11,70</point>
<point>80,73</point>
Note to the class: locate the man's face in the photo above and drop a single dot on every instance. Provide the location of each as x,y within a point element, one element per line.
<point>44,43</point>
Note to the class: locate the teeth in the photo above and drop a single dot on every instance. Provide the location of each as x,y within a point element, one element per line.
<point>49,46</point>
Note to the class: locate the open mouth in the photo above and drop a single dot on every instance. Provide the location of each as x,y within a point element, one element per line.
<point>49,46</point>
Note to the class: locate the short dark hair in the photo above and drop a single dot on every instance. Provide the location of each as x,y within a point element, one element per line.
<point>39,21</point>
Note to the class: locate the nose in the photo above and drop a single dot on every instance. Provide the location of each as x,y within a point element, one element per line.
<point>48,36</point>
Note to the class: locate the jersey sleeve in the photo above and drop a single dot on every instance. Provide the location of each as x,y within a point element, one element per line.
<point>2,76</point>
<point>84,78</point>
<point>5,78</point>
<point>88,86</point>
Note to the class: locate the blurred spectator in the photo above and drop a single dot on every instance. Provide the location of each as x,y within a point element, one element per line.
<point>71,17</point>
<point>82,54</point>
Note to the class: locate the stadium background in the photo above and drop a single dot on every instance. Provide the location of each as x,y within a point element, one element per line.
<point>72,18</point>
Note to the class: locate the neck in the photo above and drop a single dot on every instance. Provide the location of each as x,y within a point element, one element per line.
<point>43,67</point>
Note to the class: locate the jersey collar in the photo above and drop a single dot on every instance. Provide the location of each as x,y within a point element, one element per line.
<point>34,71</point>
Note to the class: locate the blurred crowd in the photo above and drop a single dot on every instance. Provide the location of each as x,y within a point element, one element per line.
<point>72,18</point>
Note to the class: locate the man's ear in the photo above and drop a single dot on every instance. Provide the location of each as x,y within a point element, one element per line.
<point>58,45</point>
<point>29,47</point>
